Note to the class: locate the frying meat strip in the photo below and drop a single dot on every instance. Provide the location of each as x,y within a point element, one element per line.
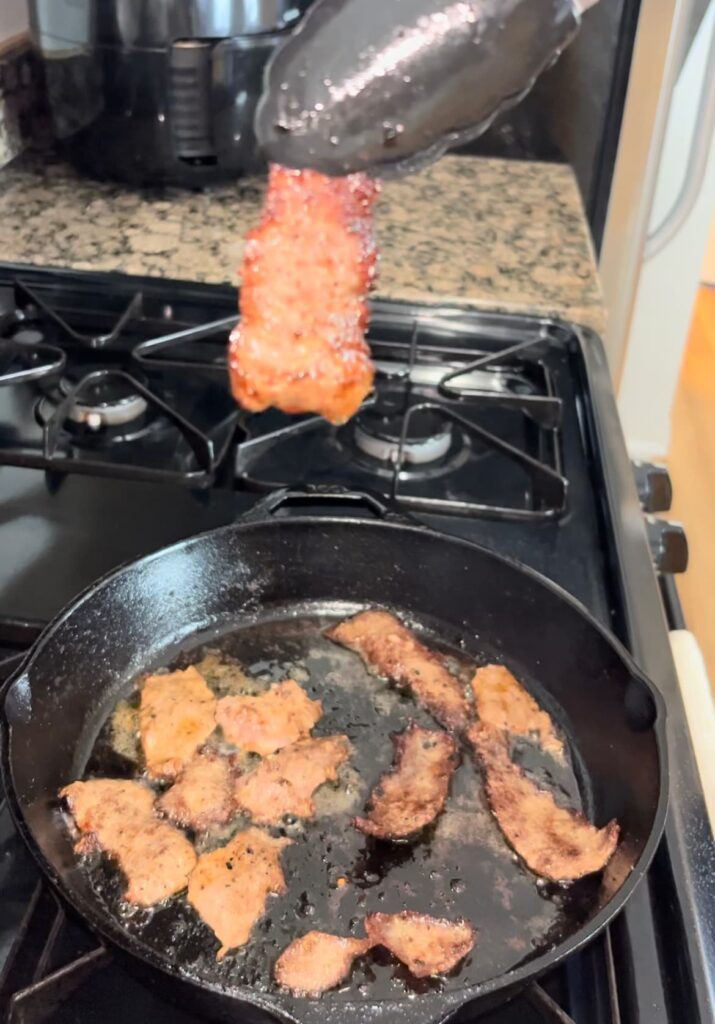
<point>553,841</point>
<point>103,807</point>
<point>176,715</point>
<point>389,649</point>
<point>503,703</point>
<point>317,962</point>
<point>202,795</point>
<point>275,719</point>
<point>284,783</point>
<point>307,269</point>
<point>410,796</point>
<point>118,817</point>
<point>229,886</point>
<point>426,945</point>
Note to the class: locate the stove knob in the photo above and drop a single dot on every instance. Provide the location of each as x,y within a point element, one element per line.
<point>654,487</point>
<point>668,545</point>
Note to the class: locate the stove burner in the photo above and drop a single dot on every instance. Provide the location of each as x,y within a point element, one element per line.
<point>441,433</point>
<point>75,400</point>
<point>115,398</point>
<point>106,403</point>
<point>380,436</point>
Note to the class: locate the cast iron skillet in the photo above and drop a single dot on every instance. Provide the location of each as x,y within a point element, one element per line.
<point>262,590</point>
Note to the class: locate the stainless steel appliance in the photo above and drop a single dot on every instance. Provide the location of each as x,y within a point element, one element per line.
<point>158,91</point>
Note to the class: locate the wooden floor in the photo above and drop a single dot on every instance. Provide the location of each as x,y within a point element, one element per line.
<point>691,462</point>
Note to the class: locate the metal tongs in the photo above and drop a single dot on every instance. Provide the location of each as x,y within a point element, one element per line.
<point>386,86</point>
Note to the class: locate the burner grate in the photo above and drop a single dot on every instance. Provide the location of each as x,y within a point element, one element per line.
<point>549,487</point>
<point>546,410</point>
<point>29,301</point>
<point>390,445</point>
<point>21,363</point>
<point>38,981</point>
<point>53,422</point>
<point>148,353</point>
<point>24,356</point>
<point>422,374</point>
<point>44,984</point>
<point>76,400</point>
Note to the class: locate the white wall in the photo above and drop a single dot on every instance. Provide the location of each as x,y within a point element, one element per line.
<point>13,18</point>
<point>669,281</point>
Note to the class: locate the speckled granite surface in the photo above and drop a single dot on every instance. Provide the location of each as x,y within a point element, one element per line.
<point>485,233</point>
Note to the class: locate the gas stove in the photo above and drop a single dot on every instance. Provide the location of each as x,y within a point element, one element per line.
<point>133,387</point>
<point>118,436</point>
<point>74,398</point>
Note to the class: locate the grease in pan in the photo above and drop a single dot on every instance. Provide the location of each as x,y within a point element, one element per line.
<point>297,767</point>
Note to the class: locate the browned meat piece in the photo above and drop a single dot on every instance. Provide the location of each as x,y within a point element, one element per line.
<point>503,703</point>
<point>157,860</point>
<point>426,945</point>
<point>284,783</point>
<point>317,962</point>
<point>389,649</point>
<point>117,817</point>
<point>414,792</point>
<point>229,886</point>
<point>106,805</point>
<point>306,273</point>
<point>554,842</point>
<point>202,795</point>
<point>275,719</point>
<point>176,715</point>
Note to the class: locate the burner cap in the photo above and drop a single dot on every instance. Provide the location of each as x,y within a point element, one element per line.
<point>108,403</point>
<point>429,436</point>
<point>28,336</point>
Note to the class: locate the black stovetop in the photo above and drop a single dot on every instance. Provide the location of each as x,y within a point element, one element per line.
<point>569,509</point>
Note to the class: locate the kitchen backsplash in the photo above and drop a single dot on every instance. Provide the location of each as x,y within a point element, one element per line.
<point>23,112</point>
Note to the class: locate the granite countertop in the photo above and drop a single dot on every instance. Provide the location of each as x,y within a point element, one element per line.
<point>490,234</point>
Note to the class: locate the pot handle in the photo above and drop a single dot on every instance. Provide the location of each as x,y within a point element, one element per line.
<point>381,506</point>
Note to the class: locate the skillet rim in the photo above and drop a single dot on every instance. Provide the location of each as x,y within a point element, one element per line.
<point>303,1010</point>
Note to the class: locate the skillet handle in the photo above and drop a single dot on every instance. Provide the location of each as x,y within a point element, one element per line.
<point>12,666</point>
<point>381,506</point>
<point>12,671</point>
